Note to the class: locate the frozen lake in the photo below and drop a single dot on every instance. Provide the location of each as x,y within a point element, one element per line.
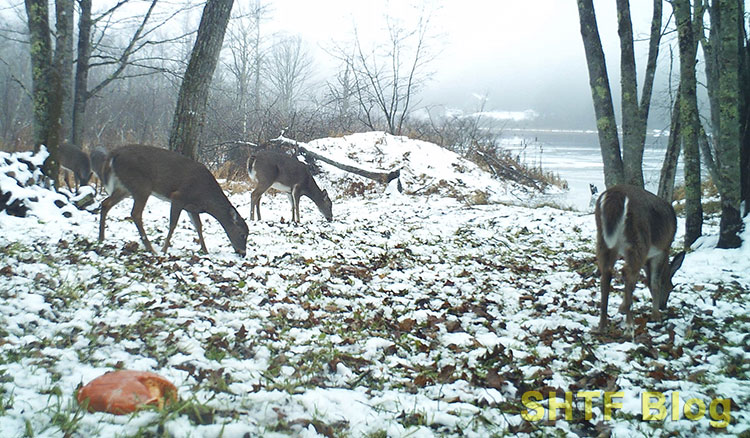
<point>576,157</point>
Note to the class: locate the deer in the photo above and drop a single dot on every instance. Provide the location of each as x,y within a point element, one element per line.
<point>638,226</point>
<point>140,171</point>
<point>98,156</point>
<point>287,174</point>
<point>77,161</point>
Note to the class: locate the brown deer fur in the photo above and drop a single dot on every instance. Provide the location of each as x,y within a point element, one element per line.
<point>287,174</point>
<point>639,227</point>
<point>139,171</point>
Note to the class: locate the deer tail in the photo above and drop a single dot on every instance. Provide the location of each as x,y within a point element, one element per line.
<point>613,208</point>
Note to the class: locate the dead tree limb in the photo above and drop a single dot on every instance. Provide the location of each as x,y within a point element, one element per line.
<point>379,176</point>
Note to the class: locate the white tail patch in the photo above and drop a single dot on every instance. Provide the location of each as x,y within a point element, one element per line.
<point>110,179</point>
<point>617,236</point>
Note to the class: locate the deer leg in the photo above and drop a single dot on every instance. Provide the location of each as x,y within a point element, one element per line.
<point>606,279</point>
<point>174,217</point>
<point>255,200</point>
<point>294,197</point>
<point>631,277</point>
<point>290,195</point>
<point>606,260</point>
<point>113,199</point>
<point>196,220</point>
<point>66,178</point>
<point>137,214</point>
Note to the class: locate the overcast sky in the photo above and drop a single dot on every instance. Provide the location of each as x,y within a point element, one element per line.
<point>524,55</point>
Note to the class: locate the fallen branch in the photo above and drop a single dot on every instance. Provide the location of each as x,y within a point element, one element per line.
<point>382,177</point>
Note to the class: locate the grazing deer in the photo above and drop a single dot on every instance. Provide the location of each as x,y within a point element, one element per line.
<point>139,171</point>
<point>75,160</point>
<point>287,174</point>
<point>640,227</point>
<point>98,157</point>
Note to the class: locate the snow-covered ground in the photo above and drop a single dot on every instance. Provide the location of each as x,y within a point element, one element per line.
<point>408,315</point>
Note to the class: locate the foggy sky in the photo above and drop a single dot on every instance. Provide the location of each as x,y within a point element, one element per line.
<point>523,55</point>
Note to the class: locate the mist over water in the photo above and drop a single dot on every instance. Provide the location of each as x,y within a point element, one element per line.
<point>576,157</point>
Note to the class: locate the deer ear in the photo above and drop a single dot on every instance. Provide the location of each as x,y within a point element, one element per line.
<point>676,263</point>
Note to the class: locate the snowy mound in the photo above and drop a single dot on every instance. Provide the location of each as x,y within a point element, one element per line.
<point>426,168</point>
<point>26,191</point>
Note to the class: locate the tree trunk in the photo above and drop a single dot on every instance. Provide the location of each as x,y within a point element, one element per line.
<point>82,73</point>
<point>669,166</point>
<point>648,81</point>
<point>45,85</point>
<point>601,94</point>
<point>632,148</point>
<point>688,121</point>
<point>64,61</point>
<point>745,123</point>
<point>189,114</point>
<point>727,146</point>
<point>744,114</point>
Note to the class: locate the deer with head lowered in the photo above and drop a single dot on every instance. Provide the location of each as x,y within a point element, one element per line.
<point>98,156</point>
<point>287,174</point>
<point>139,171</point>
<point>639,227</point>
<point>77,161</point>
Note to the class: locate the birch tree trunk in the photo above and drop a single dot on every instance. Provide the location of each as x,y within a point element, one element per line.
<point>189,115</point>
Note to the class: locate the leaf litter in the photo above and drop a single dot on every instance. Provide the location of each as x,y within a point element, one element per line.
<point>405,316</point>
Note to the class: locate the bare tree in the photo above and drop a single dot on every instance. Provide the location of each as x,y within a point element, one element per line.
<point>289,70</point>
<point>64,13</point>
<point>625,168</point>
<point>15,117</point>
<point>191,102</point>
<point>245,61</point>
<point>46,87</point>
<point>339,97</point>
<point>388,77</point>
<point>723,50</point>
<point>687,26</point>
<point>97,50</point>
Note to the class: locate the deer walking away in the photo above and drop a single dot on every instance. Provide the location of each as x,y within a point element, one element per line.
<point>140,171</point>
<point>639,227</point>
<point>287,174</point>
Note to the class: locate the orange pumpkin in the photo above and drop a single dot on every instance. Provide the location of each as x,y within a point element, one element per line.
<point>125,391</point>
